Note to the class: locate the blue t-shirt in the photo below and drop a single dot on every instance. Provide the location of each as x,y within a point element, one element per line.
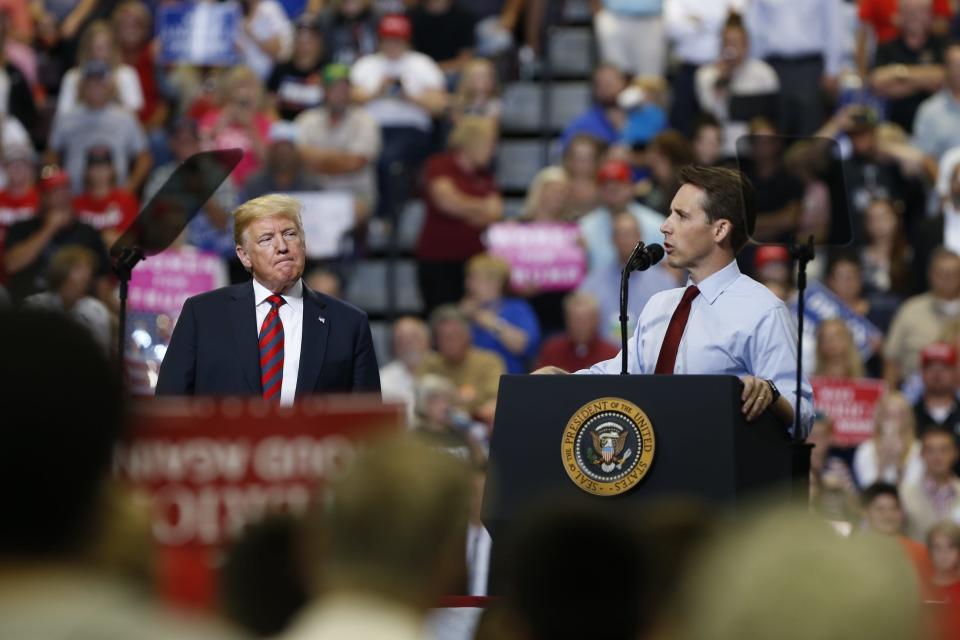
<point>519,314</point>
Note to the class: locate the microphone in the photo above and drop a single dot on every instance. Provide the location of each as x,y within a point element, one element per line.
<point>645,258</point>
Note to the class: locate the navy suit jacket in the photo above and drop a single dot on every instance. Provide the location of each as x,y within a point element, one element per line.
<point>215,351</point>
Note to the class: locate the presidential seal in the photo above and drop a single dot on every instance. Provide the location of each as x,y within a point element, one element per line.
<point>608,446</point>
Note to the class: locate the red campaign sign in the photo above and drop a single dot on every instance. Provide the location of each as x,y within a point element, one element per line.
<point>850,403</point>
<point>210,466</point>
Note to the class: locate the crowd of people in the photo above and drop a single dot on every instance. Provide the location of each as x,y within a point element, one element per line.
<point>844,115</point>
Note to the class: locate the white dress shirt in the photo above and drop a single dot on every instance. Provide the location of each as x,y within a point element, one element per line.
<point>797,28</point>
<point>291,316</point>
<point>694,27</point>
<point>736,327</point>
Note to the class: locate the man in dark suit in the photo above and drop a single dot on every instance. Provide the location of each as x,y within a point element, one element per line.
<point>272,336</point>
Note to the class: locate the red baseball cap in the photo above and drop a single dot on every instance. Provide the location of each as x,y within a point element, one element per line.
<point>617,170</point>
<point>771,253</point>
<point>395,26</point>
<point>53,177</point>
<point>942,352</point>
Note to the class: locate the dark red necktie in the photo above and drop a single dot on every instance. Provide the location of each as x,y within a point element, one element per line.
<point>271,351</point>
<point>671,341</point>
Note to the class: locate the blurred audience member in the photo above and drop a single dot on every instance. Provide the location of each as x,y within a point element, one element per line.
<point>283,169</point>
<point>736,87</point>
<point>880,23</point>
<point>803,42</point>
<point>694,29</point>
<point>296,86</point>
<point>940,230</point>
<point>892,454</point>
<point>884,515</point>
<point>935,496</point>
<point>265,37</point>
<point>630,36</point>
<point>938,406</point>
<point>103,205</point>
<point>779,194</point>
<point>707,141</point>
<point>581,160</point>
<point>132,24</point>
<point>666,154</point>
<point>340,142</point>
<point>443,425</point>
<point>211,229</point>
<point>581,345</point>
<point>772,263</point>
<point>943,545</point>
<point>403,90</point>
<point>32,242</point>
<point>853,591</point>
<point>325,281</point>
<point>837,353</point>
<point>350,30</point>
<point>240,120</point>
<point>411,343</point>
<point>541,574</point>
<point>263,584</point>
<point>909,68</point>
<point>95,121</point>
<point>478,92</point>
<point>506,326</point>
<point>97,45</point>
<point>461,201</point>
<point>603,282</point>
<point>833,493</point>
<point>69,283</point>
<point>445,32</point>
<point>844,278</point>
<point>605,119</point>
<point>18,99</point>
<point>392,541</point>
<point>887,257</point>
<point>475,372</point>
<point>548,198</point>
<point>936,127</point>
<point>19,199</point>
<point>921,319</point>
<point>616,196</point>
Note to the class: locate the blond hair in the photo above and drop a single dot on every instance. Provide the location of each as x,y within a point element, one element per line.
<point>236,76</point>
<point>471,129</point>
<point>534,193</point>
<point>272,204</point>
<point>906,427</point>
<point>84,49</point>
<point>464,91</point>
<point>489,263</point>
<point>854,361</point>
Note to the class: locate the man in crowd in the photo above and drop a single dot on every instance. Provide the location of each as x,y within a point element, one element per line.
<point>937,127</point>
<point>604,120</point>
<point>938,407</point>
<point>723,322</point>
<point>581,344</point>
<point>411,343</point>
<point>271,337</point>
<point>936,496</point>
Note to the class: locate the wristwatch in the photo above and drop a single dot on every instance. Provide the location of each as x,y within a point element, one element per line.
<point>773,390</point>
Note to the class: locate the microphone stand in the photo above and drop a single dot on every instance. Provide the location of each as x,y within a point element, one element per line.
<point>129,258</point>
<point>803,254</point>
<point>624,318</point>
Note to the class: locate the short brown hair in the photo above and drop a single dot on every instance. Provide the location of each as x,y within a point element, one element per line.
<point>66,260</point>
<point>727,195</point>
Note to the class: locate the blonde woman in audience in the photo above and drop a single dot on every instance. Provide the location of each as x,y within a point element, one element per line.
<point>548,198</point>
<point>581,159</point>
<point>887,256</point>
<point>837,354</point>
<point>892,454</point>
<point>478,93</point>
<point>98,45</point>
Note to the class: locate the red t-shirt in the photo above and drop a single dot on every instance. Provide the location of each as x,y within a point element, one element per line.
<point>13,209</point>
<point>560,351</point>
<point>879,15</point>
<point>112,213</point>
<point>445,238</point>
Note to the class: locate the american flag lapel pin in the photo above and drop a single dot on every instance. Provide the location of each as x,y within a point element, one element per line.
<point>322,320</point>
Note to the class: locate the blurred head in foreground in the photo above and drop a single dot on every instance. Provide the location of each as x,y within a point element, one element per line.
<point>396,526</point>
<point>63,409</point>
<point>784,574</point>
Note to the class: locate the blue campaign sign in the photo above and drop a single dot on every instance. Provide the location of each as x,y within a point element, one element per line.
<point>821,304</point>
<point>200,33</point>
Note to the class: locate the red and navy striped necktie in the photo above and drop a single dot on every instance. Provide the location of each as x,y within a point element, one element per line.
<point>271,351</point>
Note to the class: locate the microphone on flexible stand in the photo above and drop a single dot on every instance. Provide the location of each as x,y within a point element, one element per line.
<point>641,258</point>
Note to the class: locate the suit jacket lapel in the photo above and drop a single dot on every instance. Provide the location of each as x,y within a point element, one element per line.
<point>243,323</point>
<point>313,344</point>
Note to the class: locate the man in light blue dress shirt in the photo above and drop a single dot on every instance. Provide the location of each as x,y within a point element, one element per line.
<point>736,326</point>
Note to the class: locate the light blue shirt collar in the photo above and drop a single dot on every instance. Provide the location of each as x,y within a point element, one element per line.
<point>716,283</point>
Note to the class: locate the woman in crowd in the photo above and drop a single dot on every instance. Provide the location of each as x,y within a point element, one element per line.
<point>833,493</point>
<point>133,30</point>
<point>98,45</point>
<point>581,160</point>
<point>461,200</point>
<point>103,205</point>
<point>351,30</point>
<point>667,152</point>
<point>478,92</point>
<point>837,353</point>
<point>266,36</point>
<point>507,326</point>
<point>887,257</point>
<point>297,85</point>
<point>241,120</point>
<point>892,454</point>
